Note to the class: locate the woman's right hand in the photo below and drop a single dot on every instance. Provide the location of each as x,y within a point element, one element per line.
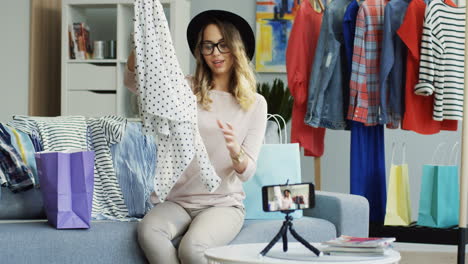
<point>131,61</point>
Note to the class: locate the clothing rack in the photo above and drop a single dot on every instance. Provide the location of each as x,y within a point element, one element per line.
<point>317,173</point>
<point>418,234</point>
<point>448,236</point>
<point>464,167</point>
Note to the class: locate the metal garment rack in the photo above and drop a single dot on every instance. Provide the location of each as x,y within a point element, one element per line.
<point>464,167</point>
<point>450,236</point>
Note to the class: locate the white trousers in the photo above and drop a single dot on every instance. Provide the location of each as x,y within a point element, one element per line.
<point>200,229</point>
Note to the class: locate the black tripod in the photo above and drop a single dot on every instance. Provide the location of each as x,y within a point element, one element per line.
<point>287,224</point>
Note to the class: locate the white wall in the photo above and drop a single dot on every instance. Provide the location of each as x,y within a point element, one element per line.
<point>14,54</point>
<point>335,162</point>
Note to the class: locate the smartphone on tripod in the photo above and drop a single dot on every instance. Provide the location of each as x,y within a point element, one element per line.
<point>288,197</point>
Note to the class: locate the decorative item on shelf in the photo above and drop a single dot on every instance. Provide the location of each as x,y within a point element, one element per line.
<point>81,37</point>
<point>111,49</point>
<point>99,49</point>
<point>279,101</point>
<point>71,44</point>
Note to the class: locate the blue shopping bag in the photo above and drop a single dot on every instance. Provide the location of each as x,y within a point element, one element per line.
<point>276,164</point>
<point>439,199</point>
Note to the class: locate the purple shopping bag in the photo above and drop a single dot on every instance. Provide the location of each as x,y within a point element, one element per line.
<point>67,183</point>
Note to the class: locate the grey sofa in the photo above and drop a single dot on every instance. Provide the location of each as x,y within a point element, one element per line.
<point>25,238</point>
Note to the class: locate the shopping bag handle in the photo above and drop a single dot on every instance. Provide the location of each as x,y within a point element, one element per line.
<point>403,154</point>
<point>454,154</point>
<point>393,152</point>
<point>435,152</point>
<point>276,117</point>
<point>269,116</point>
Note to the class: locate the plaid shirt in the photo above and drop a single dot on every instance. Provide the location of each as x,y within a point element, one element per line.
<point>364,104</point>
<point>14,173</point>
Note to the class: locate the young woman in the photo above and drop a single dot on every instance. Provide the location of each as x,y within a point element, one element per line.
<point>286,201</point>
<point>232,121</point>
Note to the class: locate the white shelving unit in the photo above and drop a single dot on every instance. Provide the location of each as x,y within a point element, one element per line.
<point>95,87</point>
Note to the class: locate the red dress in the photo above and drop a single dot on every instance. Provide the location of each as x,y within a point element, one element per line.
<point>418,109</point>
<point>299,57</point>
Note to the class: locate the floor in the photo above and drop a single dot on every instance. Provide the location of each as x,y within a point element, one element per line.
<point>427,253</point>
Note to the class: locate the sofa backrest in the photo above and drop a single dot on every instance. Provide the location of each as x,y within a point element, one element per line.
<point>21,206</point>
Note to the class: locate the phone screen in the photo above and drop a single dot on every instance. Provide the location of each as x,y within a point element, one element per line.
<point>288,197</point>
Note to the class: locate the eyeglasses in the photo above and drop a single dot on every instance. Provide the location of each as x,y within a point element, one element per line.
<point>207,48</point>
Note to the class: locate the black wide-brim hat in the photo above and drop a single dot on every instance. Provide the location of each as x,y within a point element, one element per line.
<point>207,17</point>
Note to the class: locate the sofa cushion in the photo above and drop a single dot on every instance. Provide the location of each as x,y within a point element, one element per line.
<point>38,242</point>
<point>21,205</point>
<point>116,242</point>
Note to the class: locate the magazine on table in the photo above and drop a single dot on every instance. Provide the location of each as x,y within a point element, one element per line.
<point>379,250</point>
<point>360,242</point>
<point>361,254</point>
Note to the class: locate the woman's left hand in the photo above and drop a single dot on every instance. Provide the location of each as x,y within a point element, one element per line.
<point>231,143</point>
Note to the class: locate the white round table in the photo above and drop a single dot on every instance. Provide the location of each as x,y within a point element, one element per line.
<point>297,254</point>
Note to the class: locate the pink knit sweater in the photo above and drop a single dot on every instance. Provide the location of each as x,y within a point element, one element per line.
<point>249,128</point>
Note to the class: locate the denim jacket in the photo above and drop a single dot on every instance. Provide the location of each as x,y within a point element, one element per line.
<point>328,90</point>
<point>392,65</point>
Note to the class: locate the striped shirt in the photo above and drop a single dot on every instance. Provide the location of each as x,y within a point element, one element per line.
<point>441,70</point>
<point>108,201</point>
<point>364,104</point>
<point>56,133</point>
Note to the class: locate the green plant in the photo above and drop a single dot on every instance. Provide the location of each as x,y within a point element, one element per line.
<point>278,98</point>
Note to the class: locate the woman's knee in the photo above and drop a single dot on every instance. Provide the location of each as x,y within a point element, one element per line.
<point>192,250</point>
<point>150,234</point>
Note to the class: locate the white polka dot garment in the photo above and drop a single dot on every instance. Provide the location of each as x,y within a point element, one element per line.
<point>167,104</point>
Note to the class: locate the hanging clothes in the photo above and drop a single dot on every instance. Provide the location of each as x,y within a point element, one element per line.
<point>349,29</point>
<point>392,65</point>
<point>367,173</point>
<point>442,67</point>
<point>328,89</point>
<point>367,151</point>
<point>418,109</point>
<point>364,104</point>
<point>167,104</point>
<point>299,57</point>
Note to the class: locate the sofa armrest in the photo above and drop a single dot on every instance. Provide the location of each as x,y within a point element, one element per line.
<point>349,213</point>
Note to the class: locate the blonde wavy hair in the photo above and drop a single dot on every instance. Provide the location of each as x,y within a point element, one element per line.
<point>242,84</point>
